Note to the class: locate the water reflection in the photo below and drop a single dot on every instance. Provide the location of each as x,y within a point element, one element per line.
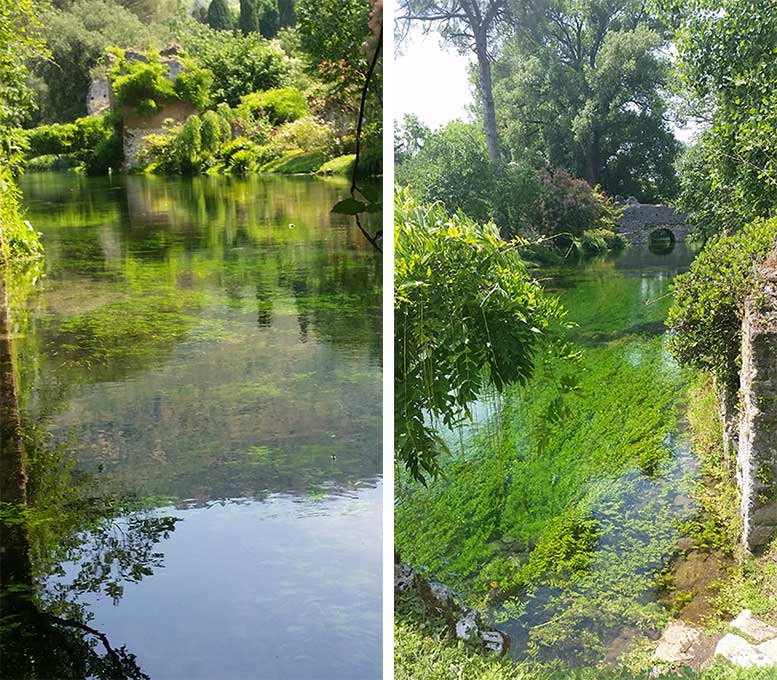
<point>210,346</point>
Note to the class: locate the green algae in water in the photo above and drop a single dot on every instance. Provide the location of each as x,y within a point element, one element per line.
<point>560,512</point>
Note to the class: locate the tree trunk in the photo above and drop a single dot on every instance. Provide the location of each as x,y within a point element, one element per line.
<point>594,162</point>
<point>487,94</point>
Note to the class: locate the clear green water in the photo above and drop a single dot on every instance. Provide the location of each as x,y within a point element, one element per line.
<point>211,348</point>
<point>563,503</point>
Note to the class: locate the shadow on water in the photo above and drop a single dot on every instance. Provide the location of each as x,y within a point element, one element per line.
<point>210,346</point>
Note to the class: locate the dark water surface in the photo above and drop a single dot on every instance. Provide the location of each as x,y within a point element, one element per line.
<point>207,351</point>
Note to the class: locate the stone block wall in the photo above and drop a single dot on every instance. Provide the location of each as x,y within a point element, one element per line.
<point>757,446</point>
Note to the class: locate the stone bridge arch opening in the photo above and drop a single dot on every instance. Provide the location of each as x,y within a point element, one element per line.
<point>661,241</point>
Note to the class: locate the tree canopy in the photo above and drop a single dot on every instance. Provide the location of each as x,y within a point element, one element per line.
<point>580,85</point>
<point>726,59</point>
<point>471,26</point>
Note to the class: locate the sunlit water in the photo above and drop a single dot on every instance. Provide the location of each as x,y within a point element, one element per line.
<point>561,506</point>
<point>212,347</point>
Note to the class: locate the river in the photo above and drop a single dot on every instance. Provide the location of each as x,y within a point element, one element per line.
<point>201,369</point>
<point>564,500</point>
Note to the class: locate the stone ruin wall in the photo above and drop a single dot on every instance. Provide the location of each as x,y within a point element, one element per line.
<point>757,445</point>
<point>137,127</point>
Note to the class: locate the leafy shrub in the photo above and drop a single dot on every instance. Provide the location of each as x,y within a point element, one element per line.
<point>282,105</point>
<point>242,162</point>
<point>706,316</point>
<point>92,141</point>
<point>307,134</point>
<point>568,207</point>
<point>193,86</point>
<point>239,64</point>
<point>453,167</point>
<point>467,314</point>
<point>19,239</point>
<point>143,85</point>
<point>51,162</point>
<point>211,132</point>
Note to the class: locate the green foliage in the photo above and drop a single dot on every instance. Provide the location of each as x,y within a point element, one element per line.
<point>93,142</point>
<point>307,134</point>
<point>287,17</point>
<point>78,33</point>
<point>211,132</point>
<point>452,167</point>
<point>269,18</point>
<point>467,314</point>
<point>726,60</point>
<point>259,16</point>
<point>239,64</point>
<point>219,16</point>
<point>193,86</point>
<point>706,317</point>
<point>18,240</point>
<point>334,30</point>
<point>719,525</point>
<point>18,44</point>
<point>281,105</point>
<point>144,86</point>
<point>65,138</point>
<point>554,204</point>
<point>580,85</point>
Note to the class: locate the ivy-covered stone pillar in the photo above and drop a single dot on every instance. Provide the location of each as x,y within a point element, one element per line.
<point>757,454</point>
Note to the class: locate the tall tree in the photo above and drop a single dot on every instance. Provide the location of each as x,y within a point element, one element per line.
<point>288,17</point>
<point>269,18</point>
<point>249,16</point>
<point>470,25</point>
<point>579,84</point>
<point>219,16</point>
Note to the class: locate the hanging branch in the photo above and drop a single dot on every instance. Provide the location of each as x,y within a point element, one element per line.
<point>354,206</point>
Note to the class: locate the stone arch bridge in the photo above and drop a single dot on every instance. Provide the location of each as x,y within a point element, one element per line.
<point>641,221</point>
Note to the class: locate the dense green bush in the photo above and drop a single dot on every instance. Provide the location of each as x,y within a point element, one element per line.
<point>19,239</point>
<point>282,105</point>
<point>726,64</point>
<point>219,16</point>
<point>562,207</point>
<point>706,316</point>
<point>239,64</point>
<point>78,33</point>
<point>467,313</point>
<point>451,165</point>
<point>307,134</point>
<point>93,142</point>
<point>82,135</point>
<point>144,85</point>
